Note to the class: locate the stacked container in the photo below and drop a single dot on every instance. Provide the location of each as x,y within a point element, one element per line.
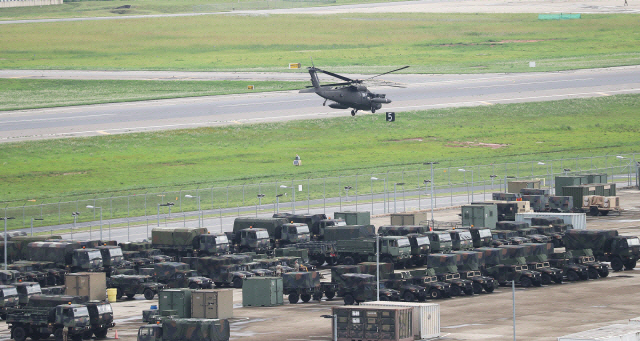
<point>426,317</point>
<point>373,323</point>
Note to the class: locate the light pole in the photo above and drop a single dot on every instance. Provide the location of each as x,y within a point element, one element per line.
<point>94,211</point>
<point>260,196</point>
<point>372,179</point>
<point>378,266</point>
<point>278,202</point>
<point>32,219</point>
<point>492,176</point>
<point>75,216</point>
<point>431,182</point>
<point>335,325</point>
<point>169,204</point>
<point>551,175</point>
<point>196,197</point>
<point>293,197</point>
<point>620,157</point>
<point>468,170</point>
<point>346,189</point>
<point>394,194</point>
<point>5,240</point>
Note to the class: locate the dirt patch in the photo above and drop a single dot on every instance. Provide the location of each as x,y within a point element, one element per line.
<point>418,139</point>
<point>468,144</point>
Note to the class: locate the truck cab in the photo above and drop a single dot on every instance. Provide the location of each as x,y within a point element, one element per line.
<point>100,318</point>
<point>111,255</point>
<point>73,316</point>
<point>86,260</point>
<point>481,236</point>
<point>150,332</point>
<point>440,241</point>
<point>213,244</point>
<point>461,240</point>
<point>8,299</point>
<point>26,290</point>
<point>256,240</point>
<point>420,248</point>
<point>395,249</point>
<point>292,233</point>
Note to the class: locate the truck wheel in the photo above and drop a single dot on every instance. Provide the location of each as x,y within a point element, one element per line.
<point>319,260</point>
<point>572,276</point>
<point>384,298</point>
<point>77,337</point>
<point>237,282</point>
<point>87,335</point>
<point>330,295</point>
<point>558,280</point>
<point>305,298</point>
<point>148,294</point>
<point>604,271</point>
<point>102,333</point>
<point>408,296</point>
<point>435,293</point>
<point>469,291</point>
<point>525,282</point>
<point>546,279</point>
<point>57,334</point>
<point>218,284</point>
<point>119,293</point>
<point>593,273</point>
<point>386,259</point>
<point>348,260</point>
<point>331,261</point>
<point>419,262</point>
<point>456,291</point>
<point>3,316</point>
<point>293,298</point>
<point>604,212</point>
<point>630,264</point>
<point>317,296</point>
<point>477,288</point>
<point>349,300</point>
<point>489,288</point>
<point>131,296</point>
<point>616,264</point>
<point>19,334</point>
<point>194,285</point>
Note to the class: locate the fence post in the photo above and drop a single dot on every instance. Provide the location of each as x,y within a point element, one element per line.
<point>356,191</point>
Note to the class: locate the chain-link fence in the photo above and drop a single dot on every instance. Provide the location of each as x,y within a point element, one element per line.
<point>378,193</point>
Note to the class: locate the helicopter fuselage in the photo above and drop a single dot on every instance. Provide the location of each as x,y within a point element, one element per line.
<point>356,97</point>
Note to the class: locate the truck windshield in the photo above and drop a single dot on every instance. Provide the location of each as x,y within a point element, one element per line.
<point>222,240</point>
<point>484,233</point>
<point>262,235</point>
<point>444,237</point>
<point>340,223</point>
<point>94,255</point>
<point>80,312</point>
<point>465,235</point>
<point>403,242</point>
<point>33,289</point>
<point>302,229</point>
<point>115,252</point>
<point>9,292</point>
<point>104,308</point>
<point>546,265</point>
<point>633,241</point>
<point>423,241</point>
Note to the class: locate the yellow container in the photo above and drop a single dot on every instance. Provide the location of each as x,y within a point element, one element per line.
<point>111,294</point>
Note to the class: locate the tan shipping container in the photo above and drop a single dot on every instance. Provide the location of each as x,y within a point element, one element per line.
<point>91,284</point>
<point>404,219</point>
<point>212,304</point>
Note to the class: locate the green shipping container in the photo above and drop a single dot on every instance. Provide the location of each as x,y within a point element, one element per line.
<point>568,180</point>
<point>578,192</point>
<point>175,299</point>
<point>480,215</point>
<point>262,292</point>
<point>596,178</point>
<point>353,218</point>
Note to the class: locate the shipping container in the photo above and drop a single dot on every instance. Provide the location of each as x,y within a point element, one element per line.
<point>91,284</point>
<point>262,292</point>
<point>212,304</point>
<point>607,190</point>
<point>373,323</point>
<point>405,219</point>
<point>578,220</point>
<point>578,193</point>
<point>596,178</point>
<point>353,218</point>
<point>614,332</point>
<point>516,186</point>
<point>568,180</point>
<point>537,203</point>
<point>178,300</point>
<point>426,317</point>
<point>480,215</point>
<point>535,191</point>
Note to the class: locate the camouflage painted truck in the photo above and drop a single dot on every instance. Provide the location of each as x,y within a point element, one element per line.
<point>607,246</point>
<point>180,329</point>
<point>131,285</point>
<point>393,249</point>
<point>420,243</point>
<point>402,230</point>
<point>188,241</point>
<point>504,269</point>
<point>324,250</point>
<point>585,257</point>
<point>249,240</point>
<point>537,258</point>
<point>41,322</point>
<point>112,258</point>
<point>469,263</point>
<point>354,286</point>
<point>440,241</point>
<point>444,266</point>
<point>409,292</point>
<point>281,231</point>
<point>316,222</point>
<point>67,255</point>
<point>53,275</point>
<point>223,271</point>
<point>461,240</point>
<point>8,300</point>
<point>481,236</point>
<point>179,275</point>
<point>302,285</point>
<point>435,288</point>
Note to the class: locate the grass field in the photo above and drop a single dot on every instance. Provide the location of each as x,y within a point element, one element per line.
<point>17,94</point>
<point>171,160</point>
<point>430,43</point>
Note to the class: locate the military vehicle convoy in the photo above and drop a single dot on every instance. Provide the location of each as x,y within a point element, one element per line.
<point>444,266</point>
<point>69,255</point>
<point>607,246</point>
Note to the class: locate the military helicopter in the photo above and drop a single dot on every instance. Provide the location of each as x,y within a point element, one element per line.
<point>349,94</point>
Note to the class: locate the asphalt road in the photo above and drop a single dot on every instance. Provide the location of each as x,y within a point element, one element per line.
<point>422,92</point>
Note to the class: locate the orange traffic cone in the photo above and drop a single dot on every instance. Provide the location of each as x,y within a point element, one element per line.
<point>117,334</point>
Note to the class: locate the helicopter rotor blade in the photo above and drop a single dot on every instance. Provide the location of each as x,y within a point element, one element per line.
<point>337,75</point>
<point>335,84</point>
<point>402,68</point>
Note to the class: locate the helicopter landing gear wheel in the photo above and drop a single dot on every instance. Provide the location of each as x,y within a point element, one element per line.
<point>373,110</point>
<point>353,112</point>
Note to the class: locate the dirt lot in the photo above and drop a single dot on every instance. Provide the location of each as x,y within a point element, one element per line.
<point>542,313</point>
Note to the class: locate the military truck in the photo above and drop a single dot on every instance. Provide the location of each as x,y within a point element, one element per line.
<point>461,240</point>
<point>440,241</point>
<point>320,252</point>
<point>281,232</point>
<point>112,257</point>
<point>495,259</point>
<point>178,275</point>
<point>17,246</point>
<point>420,249</point>
<point>435,288</point>
<point>188,241</point>
<point>570,269</point>
<point>393,249</point>
<point>179,329</point>
<point>607,246</point>
<point>69,255</point>
<point>26,290</point>
<point>394,230</point>
<point>132,285</point>
<point>250,240</point>
<point>536,257</point>
<point>302,285</point>
<point>316,222</point>
<point>550,231</point>
<point>39,323</point>
<point>585,257</point>
<point>481,236</point>
<point>45,273</point>
<point>409,292</point>
<point>344,232</point>
<point>324,250</point>
<point>224,271</point>
<point>353,286</point>
<point>445,268</point>
<point>507,237</point>
<point>468,263</point>
<point>28,273</point>
<point>8,299</point>
<point>100,319</point>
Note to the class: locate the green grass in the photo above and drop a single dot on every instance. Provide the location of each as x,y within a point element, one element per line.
<point>248,154</point>
<point>430,43</point>
<point>18,94</point>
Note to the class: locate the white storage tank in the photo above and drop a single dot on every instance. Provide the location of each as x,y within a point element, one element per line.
<point>614,332</point>
<point>426,317</point>
<point>578,220</point>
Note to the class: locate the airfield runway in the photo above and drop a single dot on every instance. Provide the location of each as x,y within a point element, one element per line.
<point>422,92</point>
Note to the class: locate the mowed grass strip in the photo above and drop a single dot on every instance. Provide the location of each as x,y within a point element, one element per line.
<point>364,43</point>
<point>18,94</point>
<point>365,144</point>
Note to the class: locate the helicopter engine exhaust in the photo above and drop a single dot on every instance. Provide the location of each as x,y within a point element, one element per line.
<point>380,100</point>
